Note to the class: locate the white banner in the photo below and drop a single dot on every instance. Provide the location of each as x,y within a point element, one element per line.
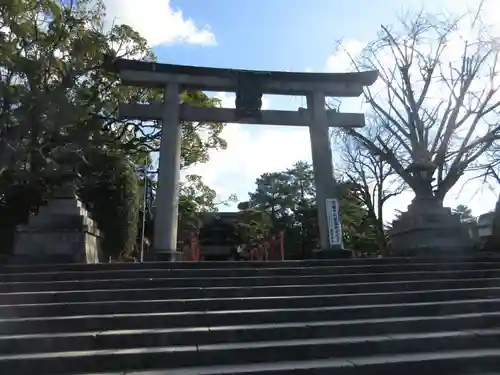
<point>333,221</point>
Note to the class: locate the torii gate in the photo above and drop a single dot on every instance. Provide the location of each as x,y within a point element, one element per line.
<point>249,87</point>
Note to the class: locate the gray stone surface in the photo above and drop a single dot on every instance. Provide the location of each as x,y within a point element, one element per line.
<point>160,255</point>
<point>332,253</point>
<point>62,231</point>
<point>429,229</point>
<point>433,317</point>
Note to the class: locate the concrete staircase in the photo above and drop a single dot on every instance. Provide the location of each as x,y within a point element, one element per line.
<point>343,317</point>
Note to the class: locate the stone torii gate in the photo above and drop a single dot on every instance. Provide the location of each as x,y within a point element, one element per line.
<point>249,87</point>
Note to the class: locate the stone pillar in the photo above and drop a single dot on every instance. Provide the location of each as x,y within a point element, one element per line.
<point>167,195</point>
<point>326,187</point>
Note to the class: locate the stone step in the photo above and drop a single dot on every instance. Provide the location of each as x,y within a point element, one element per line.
<point>347,317</point>
<point>354,350</point>
<point>246,272</point>
<point>165,281</point>
<point>243,303</point>
<point>150,320</point>
<point>75,267</point>
<point>107,294</point>
<point>204,335</point>
<point>460,362</point>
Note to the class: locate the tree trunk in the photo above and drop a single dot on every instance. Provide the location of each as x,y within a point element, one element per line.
<point>379,222</point>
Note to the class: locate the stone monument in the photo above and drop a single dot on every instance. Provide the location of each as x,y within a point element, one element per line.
<point>62,232</point>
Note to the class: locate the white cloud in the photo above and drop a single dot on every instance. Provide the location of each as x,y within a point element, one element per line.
<point>158,22</point>
<point>340,61</point>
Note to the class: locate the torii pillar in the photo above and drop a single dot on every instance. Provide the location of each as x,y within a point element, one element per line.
<point>330,228</point>
<point>169,167</point>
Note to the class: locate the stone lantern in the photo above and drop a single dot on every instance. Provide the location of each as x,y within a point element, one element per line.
<point>427,228</point>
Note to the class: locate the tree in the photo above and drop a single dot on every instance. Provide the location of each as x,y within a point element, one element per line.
<point>253,225</point>
<point>490,175</point>
<point>305,228</point>
<point>58,103</point>
<point>56,92</point>
<point>110,188</point>
<point>195,197</point>
<point>287,201</point>
<point>371,179</point>
<point>464,212</point>
<point>194,190</point>
<point>273,195</point>
<point>440,106</point>
<point>302,181</point>
<point>48,51</point>
<point>360,233</point>
<point>53,111</point>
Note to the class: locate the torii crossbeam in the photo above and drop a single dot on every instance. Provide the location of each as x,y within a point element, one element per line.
<point>249,87</point>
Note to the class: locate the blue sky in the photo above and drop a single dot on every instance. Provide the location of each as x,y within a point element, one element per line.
<point>293,35</point>
<point>273,35</point>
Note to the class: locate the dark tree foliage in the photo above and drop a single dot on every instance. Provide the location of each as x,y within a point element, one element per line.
<point>114,200</point>
<point>16,204</point>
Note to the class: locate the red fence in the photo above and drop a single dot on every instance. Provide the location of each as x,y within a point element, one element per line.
<point>270,249</point>
<point>191,250</point>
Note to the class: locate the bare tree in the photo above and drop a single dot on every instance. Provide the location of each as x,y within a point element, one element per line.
<point>372,178</point>
<point>439,101</point>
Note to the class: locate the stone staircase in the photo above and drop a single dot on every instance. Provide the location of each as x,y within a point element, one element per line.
<point>342,317</point>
